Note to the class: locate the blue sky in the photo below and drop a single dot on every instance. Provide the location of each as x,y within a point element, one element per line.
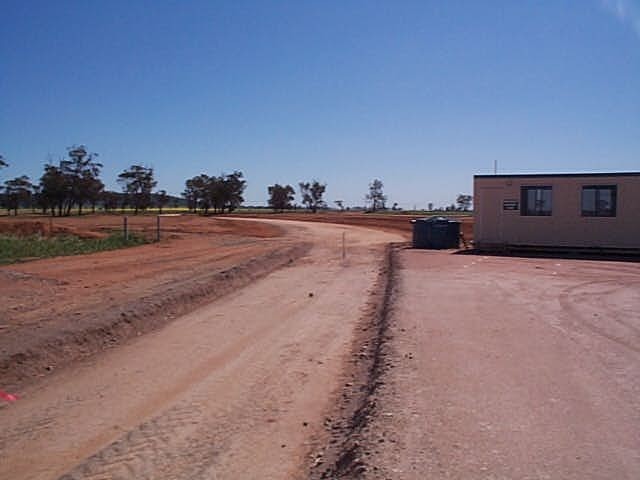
<point>419,94</point>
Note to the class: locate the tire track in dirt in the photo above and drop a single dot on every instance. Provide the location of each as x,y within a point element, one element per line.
<point>180,432</point>
<point>150,448</point>
<point>630,336</point>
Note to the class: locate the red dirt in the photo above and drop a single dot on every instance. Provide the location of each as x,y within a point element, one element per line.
<point>24,228</point>
<point>466,366</point>
<point>235,389</point>
<point>93,226</point>
<point>55,310</point>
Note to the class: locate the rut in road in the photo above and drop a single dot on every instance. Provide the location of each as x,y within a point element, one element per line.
<point>343,455</point>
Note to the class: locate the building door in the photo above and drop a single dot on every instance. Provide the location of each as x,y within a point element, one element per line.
<point>489,222</point>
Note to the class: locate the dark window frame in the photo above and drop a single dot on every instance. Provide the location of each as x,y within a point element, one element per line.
<point>526,210</point>
<point>600,212</point>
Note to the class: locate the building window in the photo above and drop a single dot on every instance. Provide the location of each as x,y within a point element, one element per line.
<point>599,200</point>
<point>535,201</point>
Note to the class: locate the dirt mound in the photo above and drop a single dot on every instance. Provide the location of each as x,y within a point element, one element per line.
<point>76,232</point>
<point>25,357</point>
<point>101,226</point>
<point>24,228</point>
<point>216,225</point>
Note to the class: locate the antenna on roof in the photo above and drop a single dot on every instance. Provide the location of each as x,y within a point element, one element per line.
<point>495,167</point>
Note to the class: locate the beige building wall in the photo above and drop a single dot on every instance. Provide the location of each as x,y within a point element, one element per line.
<point>495,226</point>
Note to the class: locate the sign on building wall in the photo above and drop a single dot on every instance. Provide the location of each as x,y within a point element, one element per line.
<point>510,205</point>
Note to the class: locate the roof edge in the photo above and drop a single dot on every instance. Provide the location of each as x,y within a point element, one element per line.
<point>556,175</point>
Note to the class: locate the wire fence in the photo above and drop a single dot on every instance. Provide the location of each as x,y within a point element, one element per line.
<point>147,227</point>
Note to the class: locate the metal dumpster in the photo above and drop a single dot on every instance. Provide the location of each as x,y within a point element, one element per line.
<point>436,233</point>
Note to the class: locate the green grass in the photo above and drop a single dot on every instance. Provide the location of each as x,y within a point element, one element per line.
<point>16,249</point>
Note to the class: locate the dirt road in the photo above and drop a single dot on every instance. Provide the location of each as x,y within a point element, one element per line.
<point>510,368</point>
<point>236,389</point>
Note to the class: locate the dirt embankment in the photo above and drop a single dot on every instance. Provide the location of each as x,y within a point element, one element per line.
<point>100,226</point>
<point>60,309</point>
<point>23,228</point>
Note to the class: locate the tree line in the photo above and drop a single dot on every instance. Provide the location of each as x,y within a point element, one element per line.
<point>281,197</point>
<point>217,194</point>
<point>74,183</point>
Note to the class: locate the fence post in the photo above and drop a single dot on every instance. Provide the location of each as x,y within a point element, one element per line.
<point>158,228</point>
<point>126,230</point>
<point>344,248</point>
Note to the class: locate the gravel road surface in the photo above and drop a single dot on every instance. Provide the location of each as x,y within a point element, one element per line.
<point>510,368</point>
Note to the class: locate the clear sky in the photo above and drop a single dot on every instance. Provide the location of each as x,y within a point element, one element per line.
<point>421,94</point>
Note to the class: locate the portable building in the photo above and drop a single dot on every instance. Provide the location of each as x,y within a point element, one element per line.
<point>577,210</point>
